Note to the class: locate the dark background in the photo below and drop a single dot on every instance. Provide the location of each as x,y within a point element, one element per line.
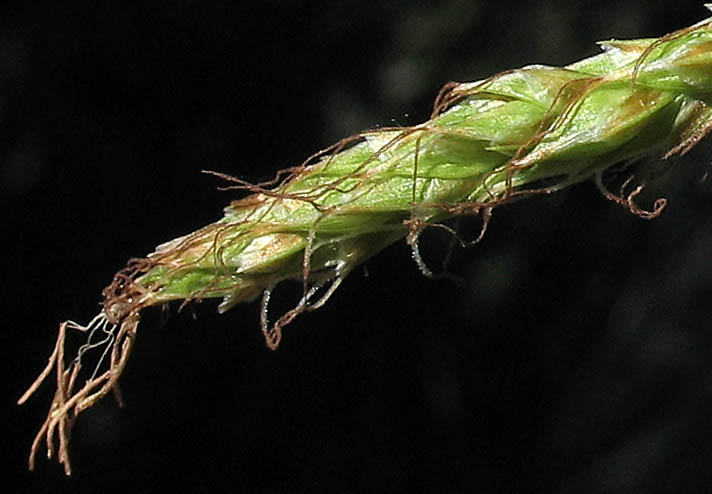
<point>576,360</point>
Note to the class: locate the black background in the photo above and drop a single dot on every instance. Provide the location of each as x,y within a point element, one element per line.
<point>576,360</point>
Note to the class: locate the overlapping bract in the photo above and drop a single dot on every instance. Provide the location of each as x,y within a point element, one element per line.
<point>529,130</point>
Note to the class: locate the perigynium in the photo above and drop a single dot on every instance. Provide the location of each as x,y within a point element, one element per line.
<point>523,132</point>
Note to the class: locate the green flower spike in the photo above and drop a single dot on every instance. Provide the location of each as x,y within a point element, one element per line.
<point>522,132</point>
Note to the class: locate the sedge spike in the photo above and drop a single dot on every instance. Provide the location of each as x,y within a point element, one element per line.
<point>519,133</point>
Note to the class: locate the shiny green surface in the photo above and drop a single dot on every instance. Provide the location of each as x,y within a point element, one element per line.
<point>560,124</point>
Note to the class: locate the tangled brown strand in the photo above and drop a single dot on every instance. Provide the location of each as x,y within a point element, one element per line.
<point>124,298</point>
<point>68,402</point>
<point>123,287</point>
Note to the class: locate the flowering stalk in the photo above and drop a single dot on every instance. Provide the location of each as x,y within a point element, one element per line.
<point>522,132</point>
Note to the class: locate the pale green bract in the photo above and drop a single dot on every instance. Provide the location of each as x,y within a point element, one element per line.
<point>488,141</point>
<point>527,131</point>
